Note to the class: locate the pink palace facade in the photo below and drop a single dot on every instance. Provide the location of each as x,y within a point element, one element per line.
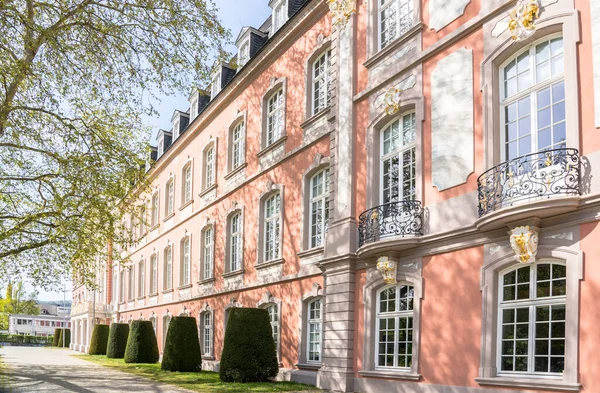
<point>411,194</point>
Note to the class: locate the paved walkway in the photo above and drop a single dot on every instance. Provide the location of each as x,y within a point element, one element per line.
<point>31,369</point>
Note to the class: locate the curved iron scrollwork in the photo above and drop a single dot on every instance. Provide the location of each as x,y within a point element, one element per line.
<point>392,219</point>
<point>530,177</point>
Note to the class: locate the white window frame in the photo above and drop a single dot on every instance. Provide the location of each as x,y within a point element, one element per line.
<point>153,273</point>
<point>215,87</point>
<point>398,152</point>
<point>235,242</point>
<point>131,284</point>
<point>237,145</point>
<point>209,166</point>
<point>324,81</point>
<point>176,125</point>
<point>207,333</point>
<point>244,52</point>
<point>170,197</point>
<point>275,320</point>
<point>396,314</point>
<point>186,261</point>
<point>275,117</point>
<point>193,109</point>
<point>208,236</point>
<point>400,17</point>
<point>187,184</point>
<point>142,278</point>
<point>314,322</point>
<point>143,220</point>
<point>155,214</point>
<point>280,16</point>
<point>322,202</point>
<point>168,268</point>
<point>160,147</point>
<point>531,302</point>
<point>272,226</point>
<point>531,93</point>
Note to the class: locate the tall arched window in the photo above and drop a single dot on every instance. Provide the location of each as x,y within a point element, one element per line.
<point>321,82</point>
<point>533,104</point>
<point>275,124</point>
<point>272,227</point>
<point>314,330</point>
<point>319,207</point>
<point>393,347</point>
<point>532,315</point>
<point>186,194</point>
<point>398,167</point>
<point>207,333</point>
<point>185,266</point>
<point>168,269</point>
<point>235,242</point>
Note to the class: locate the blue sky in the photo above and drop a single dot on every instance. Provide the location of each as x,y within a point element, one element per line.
<point>234,15</point>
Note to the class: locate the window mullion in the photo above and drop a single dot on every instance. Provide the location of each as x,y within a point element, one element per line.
<point>531,347</point>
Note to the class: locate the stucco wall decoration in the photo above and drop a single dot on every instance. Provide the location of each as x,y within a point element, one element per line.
<point>522,19</point>
<point>524,242</point>
<point>392,100</point>
<point>406,84</point>
<point>341,11</point>
<point>452,140</point>
<point>387,268</point>
<point>442,12</point>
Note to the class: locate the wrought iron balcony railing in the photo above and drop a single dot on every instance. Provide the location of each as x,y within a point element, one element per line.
<point>402,218</point>
<point>530,177</point>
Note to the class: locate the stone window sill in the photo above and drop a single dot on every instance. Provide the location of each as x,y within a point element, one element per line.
<point>186,204</point>
<point>392,46</point>
<point>186,286</point>
<point>153,294</point>
<point>155,227</point>
<point>311,252</point>
<point>308,366</point>
<point>233,274</point>
<point>207,190</point>
<point>311,120</point>
<point>141,297</point>
<point>167,218</point>
<point>391,374</point>
<point>529,383</point>
<point>167,290</point>
<point>204,357</point>
<point>235,171</point>
<point>207,281</point>
<point>272,146</point>
<point>274,262</point>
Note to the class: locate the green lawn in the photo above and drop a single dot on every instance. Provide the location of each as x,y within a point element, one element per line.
<point>204,381</point>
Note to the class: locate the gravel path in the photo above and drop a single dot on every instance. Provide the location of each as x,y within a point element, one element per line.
<point>32,369</point>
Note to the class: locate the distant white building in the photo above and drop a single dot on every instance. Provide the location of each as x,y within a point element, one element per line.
<point>37,325</point>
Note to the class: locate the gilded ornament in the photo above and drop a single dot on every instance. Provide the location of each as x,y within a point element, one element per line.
<point>392,100</point>
<point>524,242</point>
<point>522,19</point>
<point>387,268</point>
<point>342,10</point>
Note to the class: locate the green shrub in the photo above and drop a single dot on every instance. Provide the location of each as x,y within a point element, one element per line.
<point>182,347</point>
<point>99,340</point>
<point>141,344</point>
<point>57,334</point>
<point>65,337</point>
<point>117,340</point>
<point>249,353</point>
<point>20,339</point>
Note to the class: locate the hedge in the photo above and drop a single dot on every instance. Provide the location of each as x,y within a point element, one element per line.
<point>117,340</point>
<point>20,339</point>
<point>57,334</point>
<point>141,344</point>
<point>249,353</point>
<point>182,347</point>
<point>66,336</point>
<point>99,340</point>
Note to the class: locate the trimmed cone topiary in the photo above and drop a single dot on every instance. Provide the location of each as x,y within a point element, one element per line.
<point>141,344</point>
<point>117,340</point>
<point>65,336</point>
<point>99,340</point>
<point>57,334</point>
<point>182,347</point>
<point>249,353</point>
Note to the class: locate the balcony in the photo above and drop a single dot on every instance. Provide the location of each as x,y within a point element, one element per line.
<point>535,185</point>
<point>390,227</point>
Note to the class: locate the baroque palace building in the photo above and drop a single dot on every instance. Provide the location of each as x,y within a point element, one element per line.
<point>406,187</point>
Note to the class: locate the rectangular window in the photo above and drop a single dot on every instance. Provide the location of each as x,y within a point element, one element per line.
<point>279,15</point>
<point>155,211</point>
<point>319,207</point>
<point>176,129</point>
<point>168,284</point>
<point>153,274</point>
<point>321,82</point>
<point>216,85</point>
<point>275,124</point>
<point>209,167</point>
<point>131,292</point>
<point>170,196</point>
<point>142,278</point>
<point>193,109</point>
<point>235,243</point>
<point>244,53</point>
<point>395,327</point>
<point>398,160</point>
<point>185,262</point>
<point>122,286</point>
<point>315,321</point>
<point>395,19</point>
<point>272,227</point>
<point>207,327</point>
<point>237,154</point>
<point>208,253</point>
<point>143,221</point>
<point>187,184</point>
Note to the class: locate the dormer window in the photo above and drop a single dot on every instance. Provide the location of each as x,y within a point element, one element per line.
<point>193,108</point>
<point>176,129</point>
<point>244,53</point>
<point>279,14</point>
<point>161,146</point>
<point>215,88</point>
